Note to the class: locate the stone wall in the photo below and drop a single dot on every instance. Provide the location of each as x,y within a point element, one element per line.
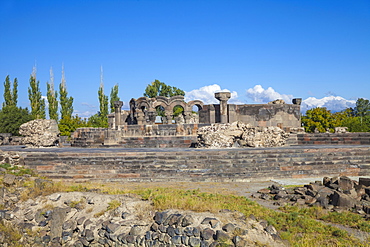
<point>134,136</point>
<point>117,164</point>
<point>88,137</point>
<point>281,115</point>
<point>349,138</point>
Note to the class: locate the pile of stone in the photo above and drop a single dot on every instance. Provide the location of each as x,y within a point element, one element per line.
<point>40,133</point>
<point>238,134</point>
<point>332,193</point>
<point>90,219</point>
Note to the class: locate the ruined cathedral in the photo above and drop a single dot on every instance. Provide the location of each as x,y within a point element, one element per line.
<point>140,126</point>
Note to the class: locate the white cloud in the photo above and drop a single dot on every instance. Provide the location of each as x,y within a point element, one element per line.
<point>332,103</point>
<point>84,114</point>
<point>207,94</point>
<point>87,110</point>
<point>261,95</point>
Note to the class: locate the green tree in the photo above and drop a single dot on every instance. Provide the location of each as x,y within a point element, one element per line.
<point>113,97</point>
<point>357,124</point>
<point>103,102</point>
<point>11,117</point>
<point>66,103</point>
<point>10,96</point>
<point>97,121</point>
<point>15,92</point>
<point>52,97</point>
<point>36,100</point>
<point>7,92</point>
<point>318,118</point>
<point>68,125</point>
<point>100,119</point>
<point>362,108</point>
<point>158,88</point>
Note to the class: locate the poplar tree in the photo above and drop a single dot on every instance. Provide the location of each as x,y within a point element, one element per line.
<point>7,92</point>
<point>100,119</point>
<point>52,97</point>
<point>10,96</point>
<point>35,97</point>
<point>12,116</point>
<point>103,102</point>
<point>113,97</point>
<point>66,103</point>
<point>15,92</point>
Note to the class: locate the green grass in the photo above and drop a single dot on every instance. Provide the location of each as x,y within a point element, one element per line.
<point>11,234</point>
<point>296,225</point>
<point>17,170</point>
<point>345,218</point>
<point>298,229</point>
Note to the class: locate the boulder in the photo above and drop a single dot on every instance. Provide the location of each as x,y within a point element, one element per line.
<point>40,133</point>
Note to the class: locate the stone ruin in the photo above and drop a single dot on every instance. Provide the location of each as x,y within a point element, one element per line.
<point>239,134</point>
<point>40,133</point>
<point>87,219</point>
<point>140,122</point>
<point>330,193</point>
<point>143,111</point>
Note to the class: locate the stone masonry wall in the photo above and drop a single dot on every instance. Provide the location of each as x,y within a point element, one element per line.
<point>350,138</point>
<point>116,164</point>
<point>137,136</point>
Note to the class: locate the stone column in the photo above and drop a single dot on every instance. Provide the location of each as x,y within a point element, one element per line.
<point>117,113</point>
<point>187,116</point>
<point>140,116</point>
<point>168,117</point>
<point>223,97</point>
<point>152,115</point>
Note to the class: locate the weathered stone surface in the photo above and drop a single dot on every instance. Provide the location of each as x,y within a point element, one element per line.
<point>9,179</point>
<point>227,135</point>
<point>345,183</point>
<point>56,222</point>
<point>40,133</point>
<point>337,193</point>
<point>342,200</point>
<point>364,181</point>
<point>276,102</point>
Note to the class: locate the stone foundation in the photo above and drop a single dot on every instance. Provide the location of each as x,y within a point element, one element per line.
<point>349,138</point>
<point>119,164</point>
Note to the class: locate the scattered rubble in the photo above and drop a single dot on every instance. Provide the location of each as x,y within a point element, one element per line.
<point>40,133</point>
<point>95,219</point>
<point>238,134</point>
<point>331,193</point>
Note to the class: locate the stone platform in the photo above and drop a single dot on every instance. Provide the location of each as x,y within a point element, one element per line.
<point>189,164</point>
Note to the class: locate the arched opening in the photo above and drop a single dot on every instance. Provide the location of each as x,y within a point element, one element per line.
<point>194,118</point>
<point>160,114</point>
<point>196,108</point>
<point>178,114</point>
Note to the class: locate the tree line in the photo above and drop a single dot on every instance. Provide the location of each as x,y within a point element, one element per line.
<point>60,106</point>
<point>320,119</point>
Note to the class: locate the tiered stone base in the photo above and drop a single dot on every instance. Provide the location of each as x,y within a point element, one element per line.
<point>119,164</point>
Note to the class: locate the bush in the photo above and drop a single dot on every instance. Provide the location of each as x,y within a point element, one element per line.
<point>11,117</point>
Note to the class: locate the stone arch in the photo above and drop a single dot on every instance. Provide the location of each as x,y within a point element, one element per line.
<point>175,103</point>
<point>197,103</point>
<point>142,102</point>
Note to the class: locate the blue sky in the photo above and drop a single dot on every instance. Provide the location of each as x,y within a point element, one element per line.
<point>259,50</point>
